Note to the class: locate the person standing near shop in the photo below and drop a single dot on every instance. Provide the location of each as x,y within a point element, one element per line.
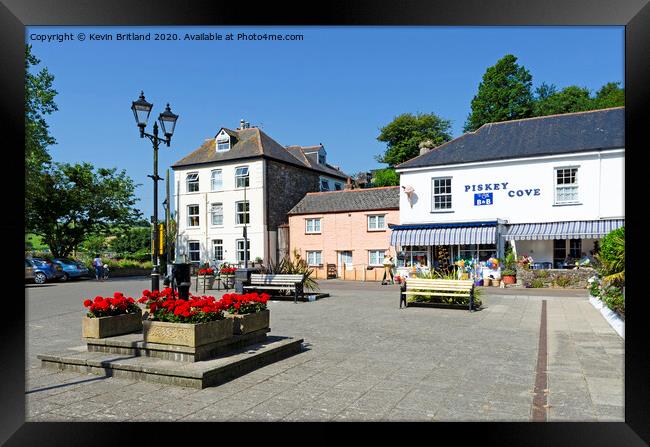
<point>388,270</point>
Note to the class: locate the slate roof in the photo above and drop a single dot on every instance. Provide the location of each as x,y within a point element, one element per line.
<point>366,199</point>
<point>298,152</point>
<point>548,135</point>
<point>248,143</point>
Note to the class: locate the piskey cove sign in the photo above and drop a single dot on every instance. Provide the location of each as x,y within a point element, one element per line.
<point>487,198</point>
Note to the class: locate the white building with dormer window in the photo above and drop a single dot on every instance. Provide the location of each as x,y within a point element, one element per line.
<point>243,178</point>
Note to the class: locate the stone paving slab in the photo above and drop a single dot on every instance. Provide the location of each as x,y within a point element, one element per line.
<point>363,359</point>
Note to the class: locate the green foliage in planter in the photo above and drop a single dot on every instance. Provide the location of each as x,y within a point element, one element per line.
<point>612,256</point>
<point>563,281</point>
<point>594,288</point>
<point>508,272</point>
<point>612,296</point>
<point>537,283</point>
<point>541,274</point>
<point>296,266</point>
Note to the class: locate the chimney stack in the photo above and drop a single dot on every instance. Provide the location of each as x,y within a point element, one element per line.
<point>425,146</point>
<point>241,123</point>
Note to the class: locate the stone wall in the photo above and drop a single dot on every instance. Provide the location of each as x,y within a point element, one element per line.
<point>577,278</point>
<point>286,185</point>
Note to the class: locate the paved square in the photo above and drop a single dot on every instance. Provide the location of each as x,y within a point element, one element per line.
<point>363,360</point>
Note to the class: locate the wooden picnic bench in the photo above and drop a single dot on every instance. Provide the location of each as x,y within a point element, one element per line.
<point>278,282</point>
<point>437,287</point>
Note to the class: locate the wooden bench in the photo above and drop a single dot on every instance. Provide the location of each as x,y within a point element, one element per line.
<point>278,282</point>
<point>437,287</point>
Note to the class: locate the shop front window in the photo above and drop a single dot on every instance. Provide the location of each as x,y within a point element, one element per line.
<point>413,256</point>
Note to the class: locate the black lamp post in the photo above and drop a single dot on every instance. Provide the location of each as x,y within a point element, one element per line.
<point>141,110</point>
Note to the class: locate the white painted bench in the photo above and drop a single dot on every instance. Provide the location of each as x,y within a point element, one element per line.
<point>278,282</point>
<point>437,287</point>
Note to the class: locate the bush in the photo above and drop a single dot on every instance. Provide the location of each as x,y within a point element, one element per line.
<point>537,283</point>
<point>612,256</point>
<point>612,296</point>
<point>563,281</point>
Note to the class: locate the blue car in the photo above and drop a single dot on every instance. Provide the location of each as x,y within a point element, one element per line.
<point>44,270</point>
<point>72,268</point>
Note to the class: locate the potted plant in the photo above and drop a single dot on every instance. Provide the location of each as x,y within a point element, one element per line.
<point>194,322</point>
<point>508,276</point>
<point>108,317</point>
<point>227,274</point>
<point>248,311</point>
<point>207,277</point>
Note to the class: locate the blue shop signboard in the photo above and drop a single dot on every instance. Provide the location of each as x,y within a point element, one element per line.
<point>483,199</point>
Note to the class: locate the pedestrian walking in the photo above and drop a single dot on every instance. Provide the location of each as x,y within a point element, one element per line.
<point>388,270</point>
<point>97,263</point>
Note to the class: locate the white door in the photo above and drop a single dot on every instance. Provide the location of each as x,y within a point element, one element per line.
<point>345,259</point>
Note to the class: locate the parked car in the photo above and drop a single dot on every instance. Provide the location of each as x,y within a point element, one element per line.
<point>29,271</point>
<point>72,268</point>
<point>45,270</point>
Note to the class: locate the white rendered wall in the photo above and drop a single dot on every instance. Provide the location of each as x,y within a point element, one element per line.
<point>229,232</point>
<point>525,193</point>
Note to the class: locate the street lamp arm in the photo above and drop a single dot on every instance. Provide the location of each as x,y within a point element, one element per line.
<point>155,139</point>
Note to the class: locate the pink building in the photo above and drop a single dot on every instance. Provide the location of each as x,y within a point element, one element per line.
<point>346,231</point>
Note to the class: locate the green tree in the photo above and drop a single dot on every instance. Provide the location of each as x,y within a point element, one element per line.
<point>385,177</point>
<point>505,93</point>
<point>80,202</point>
<point>39,102</point>
<point>407,131</point>
<point>569,99</point>
<point>133,240</point>
<point>609,95</point>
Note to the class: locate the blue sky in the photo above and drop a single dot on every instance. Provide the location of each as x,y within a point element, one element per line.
<point>337,87</point>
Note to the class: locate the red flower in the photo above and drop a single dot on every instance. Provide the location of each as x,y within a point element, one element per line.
<point>87,303</point>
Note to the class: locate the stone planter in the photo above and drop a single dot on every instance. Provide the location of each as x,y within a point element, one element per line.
<point>509,279</point>
<point>245,323</point>
<point>487,282</point>
<point>187,334</point>
<point>208,280</point>
<point>110,326</point>
<point>496,282</point>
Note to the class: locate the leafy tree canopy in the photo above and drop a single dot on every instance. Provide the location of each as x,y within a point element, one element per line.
<point>385,177</point>
<point>81,201</point>
<point>39,102</point>
<point>407,131</point>
<point>570,99</point>
<point>505,93</point>
<point>132,240</point>
<point>609,95</point>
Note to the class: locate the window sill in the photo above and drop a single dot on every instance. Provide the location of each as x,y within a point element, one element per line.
<point>442,211</point>
<point>567,204</point>
<point>313,232</point>
<point>192,192</point>
<point>316,265</point>
<point>376,231</point>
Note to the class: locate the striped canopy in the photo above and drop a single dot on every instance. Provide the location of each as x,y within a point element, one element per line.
<point>583,229</point>
<point>444,236</point>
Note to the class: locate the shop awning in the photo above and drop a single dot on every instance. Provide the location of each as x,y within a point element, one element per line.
<point>443,234</point>
<point>582,229</point>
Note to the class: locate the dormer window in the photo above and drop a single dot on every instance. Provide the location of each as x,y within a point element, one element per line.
<point>321,159</point>
<point>223,141</point>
